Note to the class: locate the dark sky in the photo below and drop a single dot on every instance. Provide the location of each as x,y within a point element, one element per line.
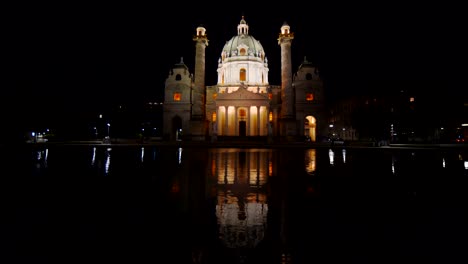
<point>86,57</point>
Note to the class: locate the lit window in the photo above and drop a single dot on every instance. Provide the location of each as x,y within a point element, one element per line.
<point>215,95</point>
<point>213,116</point>
<point>309,97</point>
<point>411,99</point>
<point>270,117</point>
<point>177,96</point>
<point>270,96</point>
<point>242,74</point>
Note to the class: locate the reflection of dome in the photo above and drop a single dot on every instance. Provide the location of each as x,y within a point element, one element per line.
<point>246,232</point>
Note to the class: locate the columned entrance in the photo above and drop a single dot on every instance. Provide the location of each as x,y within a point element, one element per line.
<point>242,113</point>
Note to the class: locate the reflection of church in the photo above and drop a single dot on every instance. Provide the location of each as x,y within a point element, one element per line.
<point>242,205</point>
<point>243,103</point>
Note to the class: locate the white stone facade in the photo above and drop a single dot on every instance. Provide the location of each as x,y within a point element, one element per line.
<point>243,103</point>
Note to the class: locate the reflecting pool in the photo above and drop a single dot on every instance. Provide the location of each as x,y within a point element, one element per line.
<point>149,204</point>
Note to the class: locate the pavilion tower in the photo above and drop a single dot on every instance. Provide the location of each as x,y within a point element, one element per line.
<point>287,115</point>
<point>198,123</point>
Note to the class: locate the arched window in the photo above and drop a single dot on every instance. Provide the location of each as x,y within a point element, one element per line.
<point>309,76</point>
<point>178,77</point>
<point>242,74</point>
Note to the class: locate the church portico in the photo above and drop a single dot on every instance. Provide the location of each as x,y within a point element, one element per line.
<point>241,120</point>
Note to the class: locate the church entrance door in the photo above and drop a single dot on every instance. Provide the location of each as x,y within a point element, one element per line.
<point>242,128</point>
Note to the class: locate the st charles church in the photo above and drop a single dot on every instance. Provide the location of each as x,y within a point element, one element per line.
<point>243,104</point>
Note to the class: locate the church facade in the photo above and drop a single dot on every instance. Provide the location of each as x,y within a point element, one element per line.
<point>243,104</point>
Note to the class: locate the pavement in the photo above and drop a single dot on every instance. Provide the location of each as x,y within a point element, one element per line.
<point>251,144</point>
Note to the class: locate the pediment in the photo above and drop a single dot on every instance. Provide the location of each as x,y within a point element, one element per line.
<point>242,94</point>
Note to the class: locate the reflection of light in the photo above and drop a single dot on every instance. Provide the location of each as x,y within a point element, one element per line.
<point>393,164</point>
<point>107,164</point>
<point>93,158</point>
<point>331,156</point>
<point>180,155</point>
<point>270,168</point>
<point>443,162</point>
<point>344,155</point>
<point>466,165</point>
<point>310,157</point>
<point>213,167</point>
<point>142,154</point>
<point>41,157</point>
<point>175,187</point>
<point>45,157</point>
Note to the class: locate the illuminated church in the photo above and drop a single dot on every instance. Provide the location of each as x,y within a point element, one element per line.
<point>243,104</point>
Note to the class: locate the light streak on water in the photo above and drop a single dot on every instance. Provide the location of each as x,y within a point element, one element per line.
<point>93,158</point>
<point>331,156</point>
<point>180,155</point>
<point>107,163</point>
<point>142,154</point>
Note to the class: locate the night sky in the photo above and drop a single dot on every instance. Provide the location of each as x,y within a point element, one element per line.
<point>73,59</point>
